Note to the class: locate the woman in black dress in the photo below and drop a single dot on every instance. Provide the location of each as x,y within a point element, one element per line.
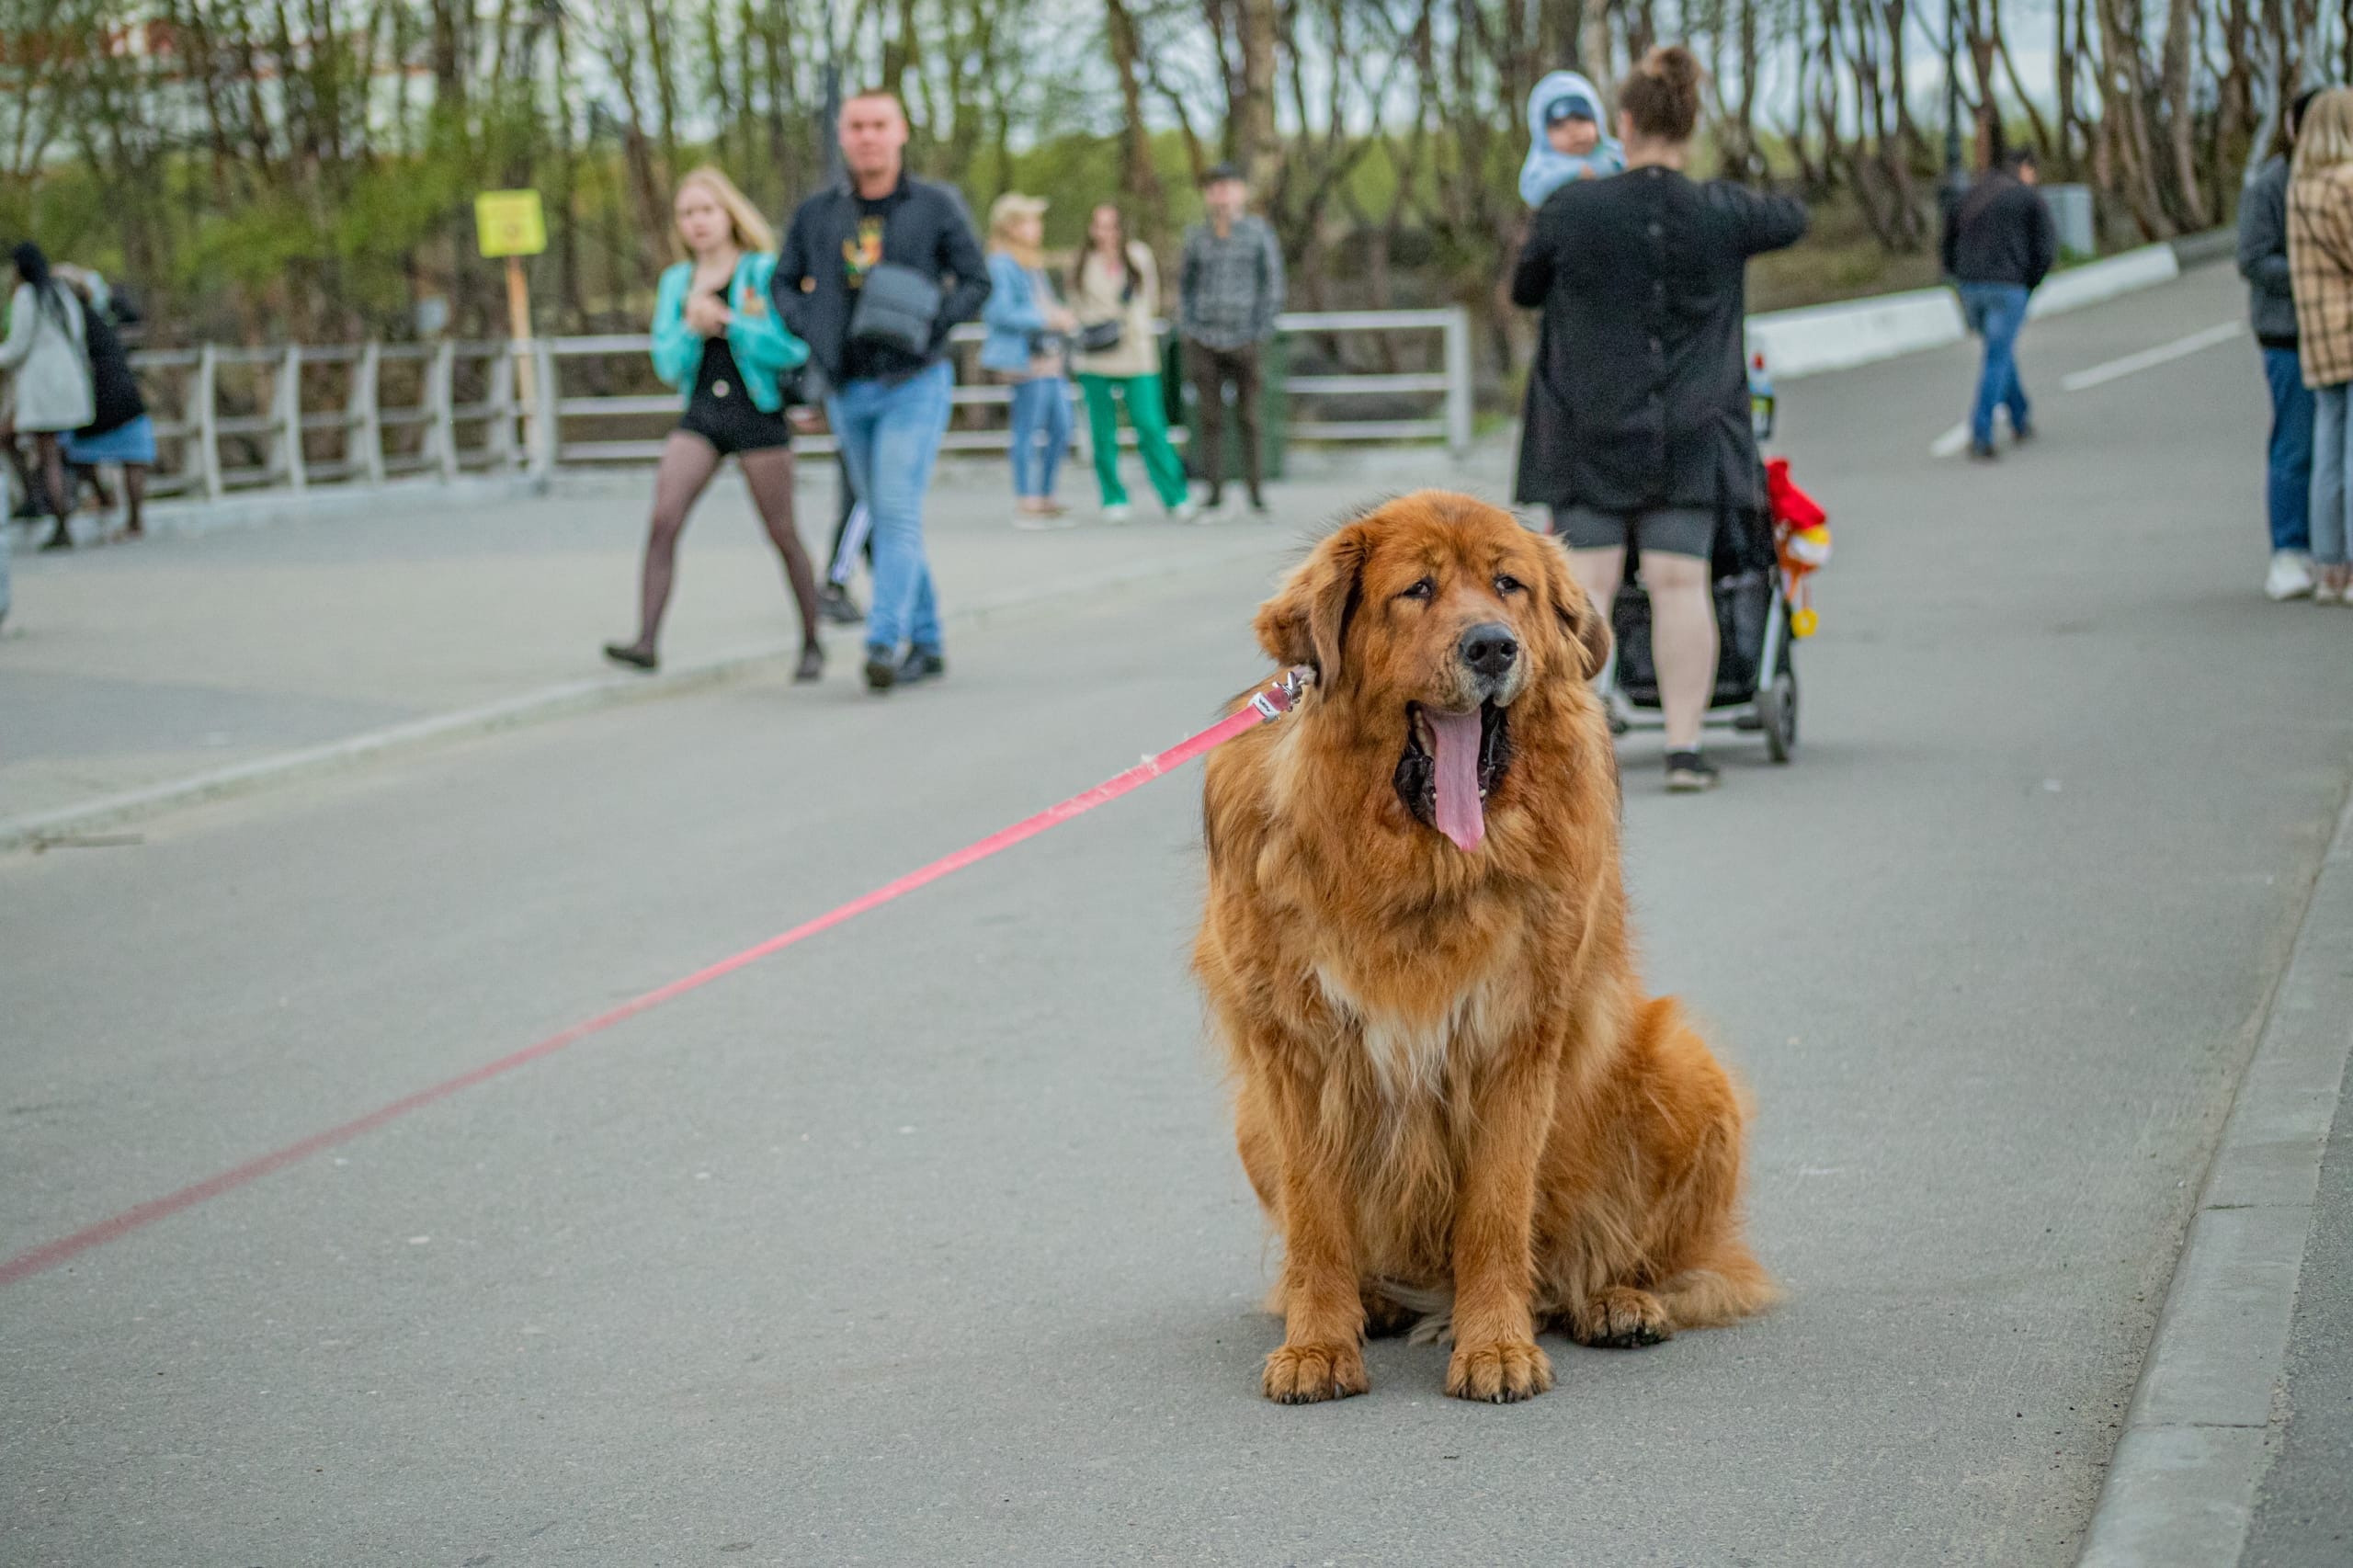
<point>1637,430</point>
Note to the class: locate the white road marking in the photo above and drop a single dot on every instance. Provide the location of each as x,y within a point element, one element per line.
<point>1952,443</point>
<point>2149,358</point>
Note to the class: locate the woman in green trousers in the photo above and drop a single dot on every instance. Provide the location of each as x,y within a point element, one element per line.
<point>1115,293</point>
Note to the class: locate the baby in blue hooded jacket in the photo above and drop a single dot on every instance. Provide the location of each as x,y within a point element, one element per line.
<point>1566,142</point>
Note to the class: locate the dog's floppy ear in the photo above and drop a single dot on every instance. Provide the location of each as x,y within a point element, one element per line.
<point>1586,623</point>
<point>1307,620</point>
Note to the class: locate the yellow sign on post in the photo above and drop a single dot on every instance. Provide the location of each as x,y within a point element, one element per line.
<point>510,222</point>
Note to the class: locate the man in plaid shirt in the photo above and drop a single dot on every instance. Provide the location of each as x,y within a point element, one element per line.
<point>1230,288</point>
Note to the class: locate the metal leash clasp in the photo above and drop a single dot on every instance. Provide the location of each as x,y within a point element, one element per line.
<point>1282,694</point>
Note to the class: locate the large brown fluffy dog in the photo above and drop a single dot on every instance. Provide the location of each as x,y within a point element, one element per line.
<point>1450,1085</point>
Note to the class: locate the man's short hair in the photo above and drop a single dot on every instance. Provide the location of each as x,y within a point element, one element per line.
<point>2021,160</point>
<point>865,93</point>
<point>1218,174</point>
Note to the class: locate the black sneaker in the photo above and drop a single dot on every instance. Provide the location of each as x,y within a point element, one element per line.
<point>881,674</point>
<point>836,605</point>
<point>636,655</point>
<point>1982,452</point>
<point>922,664</point>
<point>1688,773</point>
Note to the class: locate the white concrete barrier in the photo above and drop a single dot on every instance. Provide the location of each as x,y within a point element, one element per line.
<point>1862,331</point>
<point>1858,332</point>
<point>2088,285</point>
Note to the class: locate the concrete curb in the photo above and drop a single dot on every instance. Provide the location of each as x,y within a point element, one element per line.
<point>40,829</point>
<point>2181,1489</point>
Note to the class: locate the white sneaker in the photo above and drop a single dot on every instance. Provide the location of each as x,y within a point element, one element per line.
<point>1184,511</point>
<point>2327,594</point>
<point>2291,576</point>
<point>1117,512</point>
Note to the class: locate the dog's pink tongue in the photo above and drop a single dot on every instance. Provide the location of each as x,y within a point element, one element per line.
<point>1456,736</point>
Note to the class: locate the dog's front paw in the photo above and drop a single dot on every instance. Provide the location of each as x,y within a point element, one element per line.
<point>1620,1318</point>
<point>1499,1373</point>
<point>1304,1374</point>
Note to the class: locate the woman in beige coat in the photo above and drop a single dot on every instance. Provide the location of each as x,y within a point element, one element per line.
<point>2320,269</point>
<point>47,357</point>
<point>1115,292</point>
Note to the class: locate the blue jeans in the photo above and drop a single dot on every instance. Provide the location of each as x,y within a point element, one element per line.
<point>2287,490</point>
<point>890,432</point>
<point>1040,411</point>
<point>2332,436</point>
<point>1995,312</point>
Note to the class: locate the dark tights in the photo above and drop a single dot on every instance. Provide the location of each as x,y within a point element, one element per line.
<point>52,458</point>
<point>687,464</point>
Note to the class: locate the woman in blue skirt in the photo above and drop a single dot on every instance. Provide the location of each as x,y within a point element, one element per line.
<point>118,430</point>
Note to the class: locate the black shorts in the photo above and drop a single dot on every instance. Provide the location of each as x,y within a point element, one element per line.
<point>733,425</point>
<point>1665,531</point>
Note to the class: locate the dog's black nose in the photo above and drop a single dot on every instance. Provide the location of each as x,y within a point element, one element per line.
<point>1489,648</point>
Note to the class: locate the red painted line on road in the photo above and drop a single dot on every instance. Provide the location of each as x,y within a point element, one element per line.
<point>1266,704</point>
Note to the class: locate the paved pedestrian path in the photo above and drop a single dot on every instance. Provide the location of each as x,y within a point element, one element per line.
<point>129,667</point>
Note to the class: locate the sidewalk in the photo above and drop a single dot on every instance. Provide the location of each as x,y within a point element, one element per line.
<point>129,668</point>
<point>2240,1436</point>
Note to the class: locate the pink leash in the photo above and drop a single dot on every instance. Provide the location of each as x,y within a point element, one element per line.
<point>1269,701</point>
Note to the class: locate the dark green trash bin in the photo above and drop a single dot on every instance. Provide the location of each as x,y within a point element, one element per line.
<point>1274,407</point>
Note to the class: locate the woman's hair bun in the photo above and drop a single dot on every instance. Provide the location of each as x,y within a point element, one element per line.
<point>1675,65</point>
<point>1661,96</point>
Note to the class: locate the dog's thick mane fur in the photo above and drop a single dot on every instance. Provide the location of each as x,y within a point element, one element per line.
<point>1448,1077</point>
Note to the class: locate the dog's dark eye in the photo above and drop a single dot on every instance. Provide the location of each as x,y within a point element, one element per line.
<point>1507,584</point>
<point>1421,590</point>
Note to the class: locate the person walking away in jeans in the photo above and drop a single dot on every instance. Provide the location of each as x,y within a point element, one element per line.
<point>1997,245</point>
<point>874,274</point>
<point>1115,293</point>
<point>1027,329</point>
<point>716,339</point>
<point>2272,305</point>
<point>47,352</point>
<point>1230,289</point>
<point>2320,262</point>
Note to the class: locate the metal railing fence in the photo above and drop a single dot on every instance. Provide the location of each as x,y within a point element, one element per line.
<point>284,419</point>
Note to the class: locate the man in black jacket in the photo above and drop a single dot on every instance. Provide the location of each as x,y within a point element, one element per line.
<point>913,241</point>
<point>2263,262</point>
<point>1998,244</point>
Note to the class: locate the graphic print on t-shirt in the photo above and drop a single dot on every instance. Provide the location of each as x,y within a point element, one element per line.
<point>862,252</point>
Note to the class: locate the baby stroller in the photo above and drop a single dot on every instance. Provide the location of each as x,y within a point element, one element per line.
<point>1757,684</point>
<point>1760,559</point>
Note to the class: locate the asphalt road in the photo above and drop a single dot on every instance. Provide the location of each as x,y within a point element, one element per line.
<point>925,1241</point>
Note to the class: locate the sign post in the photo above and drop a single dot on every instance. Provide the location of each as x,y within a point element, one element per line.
<point>509,223</point>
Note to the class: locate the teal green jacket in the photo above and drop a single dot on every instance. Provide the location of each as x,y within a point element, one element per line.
<point>763,348</point>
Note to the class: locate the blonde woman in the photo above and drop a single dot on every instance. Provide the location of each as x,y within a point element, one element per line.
<point>2320,263</point>
<point>1027,344</point>
<point>1115,293</point>
<point>717,338</point>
